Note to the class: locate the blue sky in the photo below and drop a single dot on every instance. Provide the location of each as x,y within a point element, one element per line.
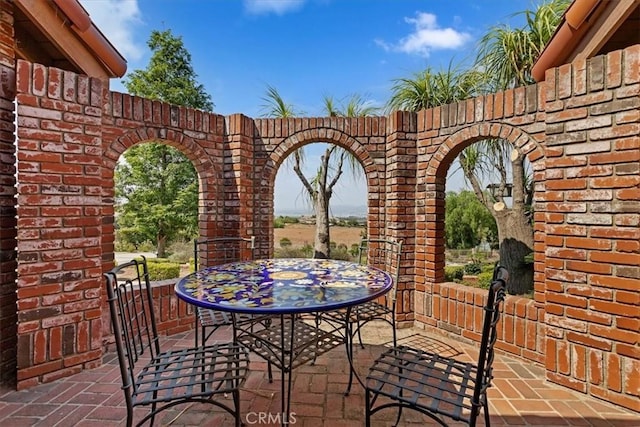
<point>306,49</point>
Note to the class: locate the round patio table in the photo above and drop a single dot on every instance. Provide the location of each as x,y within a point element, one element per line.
<point>285,288</point>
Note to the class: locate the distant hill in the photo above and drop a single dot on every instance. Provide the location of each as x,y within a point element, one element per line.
<point>335,211</point>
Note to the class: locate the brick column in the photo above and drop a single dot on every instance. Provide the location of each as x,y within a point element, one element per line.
<point>400,204</point>
<point>238,173</point>
<point>8,225</point>
<point>59,220</point>
<point>593,234</point>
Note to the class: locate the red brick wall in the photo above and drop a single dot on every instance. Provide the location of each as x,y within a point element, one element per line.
<point>72,132</point>
<point>8,231</point>
<point>592,272</point>
<point>59,219</point>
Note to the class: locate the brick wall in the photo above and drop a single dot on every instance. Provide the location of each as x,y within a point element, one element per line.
<point>8,313</point>
<point>59,218</point>
<point>593,229</point>
<point>585,306</point>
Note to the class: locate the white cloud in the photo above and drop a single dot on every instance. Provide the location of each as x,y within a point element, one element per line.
<point>116,19</point>
<point>426,36</point>
<point>279,7</point>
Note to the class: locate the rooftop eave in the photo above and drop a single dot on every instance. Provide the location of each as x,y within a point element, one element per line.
<point>584,29</point>
<point>69,26</point>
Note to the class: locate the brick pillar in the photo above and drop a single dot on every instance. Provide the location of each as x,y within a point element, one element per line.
<point>238,170</point>
<point>8,229</point>
<point>8,225</point>
<point>593,226</point>
<point>59,220</point>
<point>400,204</point>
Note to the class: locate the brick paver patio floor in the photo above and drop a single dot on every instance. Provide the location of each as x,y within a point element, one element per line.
<point>520,396</point>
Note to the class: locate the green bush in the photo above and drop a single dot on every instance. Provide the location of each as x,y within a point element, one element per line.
<point>290,252</point>
<point>278,222</point>
<point>473,268</point>
<point>162,269</point>
<point>484,279</point>
<point>181,251</point>
<point>453,273</point>
<point>285,242</point>
<point>488,268</point>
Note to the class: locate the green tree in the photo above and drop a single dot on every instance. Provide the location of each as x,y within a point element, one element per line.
<point>169,76</point>
<point>468,222</point>
<point>508,54</point>
<point>156,195</point>
<point>431,88</point>
<point>334,161</point>
<point>156,185</point>
<point>506,57</point>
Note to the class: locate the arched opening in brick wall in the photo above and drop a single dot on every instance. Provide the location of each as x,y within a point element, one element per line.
<point>448,151</point>
<point>372,172</point>
<point>211,190</point>
<point>455,308</point>
<point>210,180</point>
<point>345,180</point>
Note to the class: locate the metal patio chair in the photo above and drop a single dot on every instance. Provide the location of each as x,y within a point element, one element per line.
<point>215,251</point>
<point>162,379</point>
<point>437,386</point>
<point>386,255</point>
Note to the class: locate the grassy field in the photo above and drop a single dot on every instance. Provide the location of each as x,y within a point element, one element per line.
<point>301,234</point>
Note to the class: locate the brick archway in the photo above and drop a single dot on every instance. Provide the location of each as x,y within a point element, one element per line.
<point>210,177</point>
<point>300,138</point>
<point>440,163</point>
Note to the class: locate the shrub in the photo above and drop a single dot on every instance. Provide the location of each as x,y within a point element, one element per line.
<point>181,252</point>
<point>488,268</point>
<point>473,268</point>
<point>163,270</point>
<point>484,279</point>
<point>289,252</point>
<point>453,273</point>
<point>285,242</point>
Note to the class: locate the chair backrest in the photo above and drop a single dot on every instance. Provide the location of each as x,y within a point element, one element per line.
<point>384,254</point>
<point>132,317</point>
<point>492,313</point>
<point>220,250</point>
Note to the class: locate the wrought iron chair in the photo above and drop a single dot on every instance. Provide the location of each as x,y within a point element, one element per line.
<point>386,255</point>
<point>437,386</point>
<point>216,251</point>
<point>212,252</point>
<point>162,379</point>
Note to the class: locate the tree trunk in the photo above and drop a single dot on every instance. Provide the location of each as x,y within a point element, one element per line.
<point>162,246</point>
<point>515,235</point>
<point>322,245</point>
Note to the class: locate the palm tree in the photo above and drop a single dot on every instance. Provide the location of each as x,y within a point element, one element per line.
<point>430,88</point>
<point>507,56</point>
<point>319,188</point>
<point>505,59</point>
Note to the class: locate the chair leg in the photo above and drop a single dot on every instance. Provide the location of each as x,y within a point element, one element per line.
<point>393,328</point>
<point>348,340</point>
<point>487,418</point>
<point>360,338</point>
<point>196,329</point>
<point>236,402</point>
<point>367,408</point>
